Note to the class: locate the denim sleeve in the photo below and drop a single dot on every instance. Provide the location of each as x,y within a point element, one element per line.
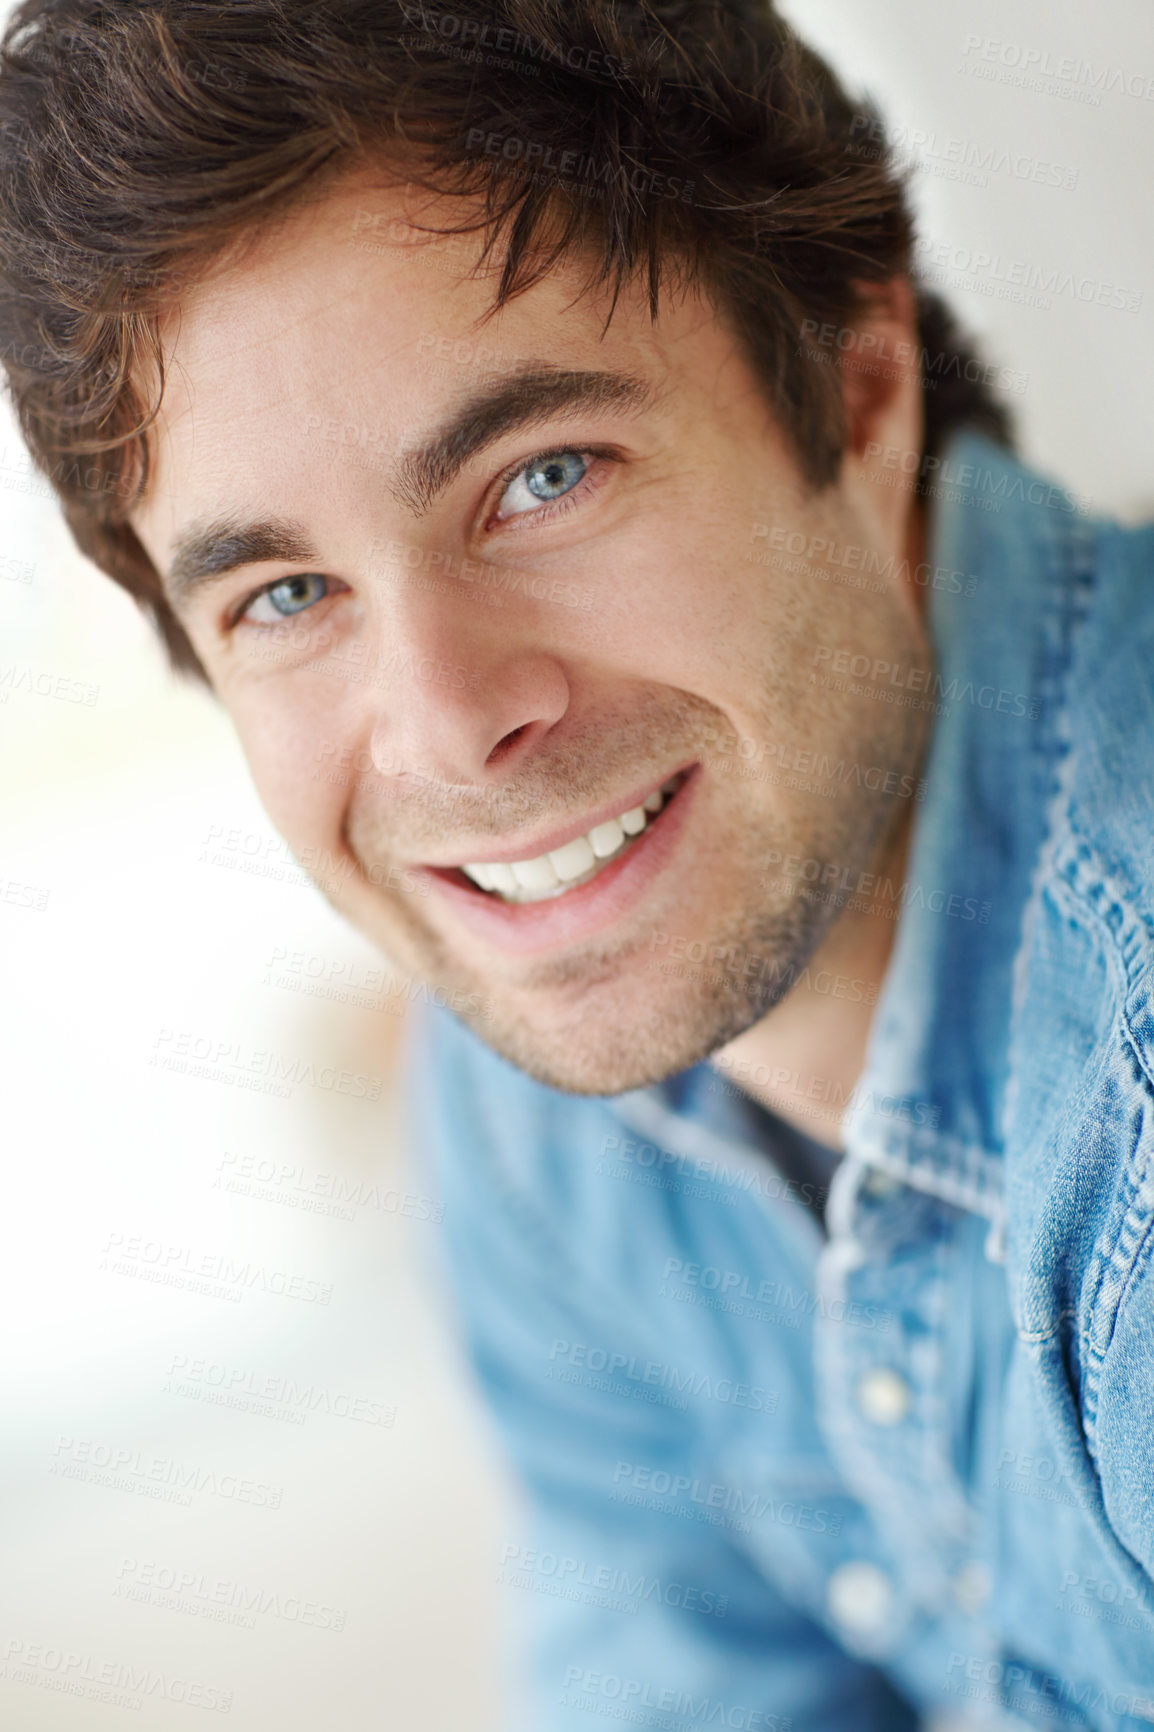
<point>632,1610</point>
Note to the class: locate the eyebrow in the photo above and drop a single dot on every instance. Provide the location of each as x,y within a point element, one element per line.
<point>210,551</point>
<point>537,392</point>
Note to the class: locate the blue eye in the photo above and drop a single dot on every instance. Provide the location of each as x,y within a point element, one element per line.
<point>555,475</point>
<point>543,481</point>
<point>290,596</point>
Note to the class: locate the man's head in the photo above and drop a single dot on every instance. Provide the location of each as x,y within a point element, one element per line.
<point>479,434</point>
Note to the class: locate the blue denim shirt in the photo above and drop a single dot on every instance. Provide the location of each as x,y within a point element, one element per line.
<point>906,1467</point>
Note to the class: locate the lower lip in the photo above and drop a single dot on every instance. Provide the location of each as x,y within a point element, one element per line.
<point>534,928</point>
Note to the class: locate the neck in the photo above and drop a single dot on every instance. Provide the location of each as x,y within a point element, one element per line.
<point>803,1059</point>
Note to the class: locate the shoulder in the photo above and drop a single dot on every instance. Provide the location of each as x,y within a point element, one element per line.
<point>521,1166</point>
<point>1080,1120</point>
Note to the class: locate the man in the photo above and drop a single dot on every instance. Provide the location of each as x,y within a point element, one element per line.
<point>525,420</point>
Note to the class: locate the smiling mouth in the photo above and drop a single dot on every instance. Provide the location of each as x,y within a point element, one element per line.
<point>578,862</point>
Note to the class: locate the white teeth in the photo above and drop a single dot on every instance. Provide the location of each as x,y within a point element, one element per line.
<point>536,874</point>
<point>569,862</point>
<point>605,839</point>
<point>491,877</point>
<point>575,863</point>
<point>503,879</point>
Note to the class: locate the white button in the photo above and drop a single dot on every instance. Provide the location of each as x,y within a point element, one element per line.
<point>884,1396</point>
<point>878,1184</point>
<point>972,1586</point>
<point>860,1596</point>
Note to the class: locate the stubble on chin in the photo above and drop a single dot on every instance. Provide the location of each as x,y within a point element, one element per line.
<point>646,1018</point>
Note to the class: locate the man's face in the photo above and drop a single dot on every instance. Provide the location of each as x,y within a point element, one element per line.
<point>501,582</point>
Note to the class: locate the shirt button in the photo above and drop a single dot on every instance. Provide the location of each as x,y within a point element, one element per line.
<point>972,1586</point>
<point>879,1185</point>
<point>860,1597</point>
<point>884,1396</point>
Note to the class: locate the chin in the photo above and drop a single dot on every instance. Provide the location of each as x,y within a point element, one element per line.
<point>604,1049</point>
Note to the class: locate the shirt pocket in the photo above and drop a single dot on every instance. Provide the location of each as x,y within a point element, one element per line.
<point>1071,1600</point>
<point>1074,1476</point>
<point>1117,1332</point>
<point>1115,1344</point>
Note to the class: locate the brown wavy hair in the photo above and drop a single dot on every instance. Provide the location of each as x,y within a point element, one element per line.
<point>696,141</point>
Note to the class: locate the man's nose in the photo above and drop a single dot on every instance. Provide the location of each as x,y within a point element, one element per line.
<point>462,699</point>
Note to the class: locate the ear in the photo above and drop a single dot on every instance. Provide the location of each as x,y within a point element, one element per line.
<point>879,363</point>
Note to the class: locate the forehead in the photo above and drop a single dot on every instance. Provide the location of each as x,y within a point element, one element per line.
<point>345,332</point>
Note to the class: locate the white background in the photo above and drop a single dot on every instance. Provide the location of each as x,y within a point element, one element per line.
<point>1087,415</point>
<point>117,814</point>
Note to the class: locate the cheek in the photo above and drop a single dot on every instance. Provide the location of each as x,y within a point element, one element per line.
<point>678,599</point>
<point>305,757</point>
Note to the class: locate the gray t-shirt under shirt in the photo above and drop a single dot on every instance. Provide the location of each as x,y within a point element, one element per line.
<point>728,1110</point>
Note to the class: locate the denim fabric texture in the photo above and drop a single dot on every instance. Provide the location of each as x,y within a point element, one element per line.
<point>776,1477</point>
